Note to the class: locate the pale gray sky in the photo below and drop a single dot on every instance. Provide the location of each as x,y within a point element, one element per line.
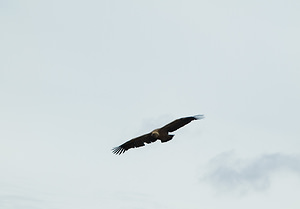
<point>80,77</point>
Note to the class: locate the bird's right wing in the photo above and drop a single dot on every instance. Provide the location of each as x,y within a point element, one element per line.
<point>133,143</point>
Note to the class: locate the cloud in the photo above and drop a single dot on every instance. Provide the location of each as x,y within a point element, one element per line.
<point>227,172</point>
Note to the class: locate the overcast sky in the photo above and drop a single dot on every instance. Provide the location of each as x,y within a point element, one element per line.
<point>80,77</point>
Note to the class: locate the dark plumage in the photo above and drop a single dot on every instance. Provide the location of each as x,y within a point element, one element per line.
<point>161,133</point>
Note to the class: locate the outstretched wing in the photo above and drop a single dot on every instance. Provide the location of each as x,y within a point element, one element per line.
<point>133,143</point>
<point>176,124</point>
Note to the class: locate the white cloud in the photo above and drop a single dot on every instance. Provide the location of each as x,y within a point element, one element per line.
<point>227,172</point>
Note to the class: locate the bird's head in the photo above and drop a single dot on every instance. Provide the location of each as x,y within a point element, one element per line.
<point>155,134</point>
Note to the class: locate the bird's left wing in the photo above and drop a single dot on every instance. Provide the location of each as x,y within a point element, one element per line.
<point>176,124</point>
<point>133,143</point>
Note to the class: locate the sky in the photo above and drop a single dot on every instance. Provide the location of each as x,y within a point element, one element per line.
<point>78,78</point>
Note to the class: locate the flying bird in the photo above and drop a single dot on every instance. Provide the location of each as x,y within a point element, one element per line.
<point>161,134</point>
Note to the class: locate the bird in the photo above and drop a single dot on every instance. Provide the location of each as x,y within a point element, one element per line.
<point>161,134</point>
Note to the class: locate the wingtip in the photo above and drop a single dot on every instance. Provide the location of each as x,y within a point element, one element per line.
<point>118,150</point>
<point>198,117</point>
<point>115,150</point>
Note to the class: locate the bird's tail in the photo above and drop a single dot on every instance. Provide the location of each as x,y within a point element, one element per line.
<point>198,117</point>
<point>168,138</point>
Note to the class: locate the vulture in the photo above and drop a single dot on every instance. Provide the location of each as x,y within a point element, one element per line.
<point>161,134</point>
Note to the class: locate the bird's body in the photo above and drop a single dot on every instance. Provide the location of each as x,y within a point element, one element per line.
<point>161,134</point>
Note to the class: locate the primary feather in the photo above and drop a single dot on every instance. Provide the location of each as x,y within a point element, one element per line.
<point>133,143</point>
